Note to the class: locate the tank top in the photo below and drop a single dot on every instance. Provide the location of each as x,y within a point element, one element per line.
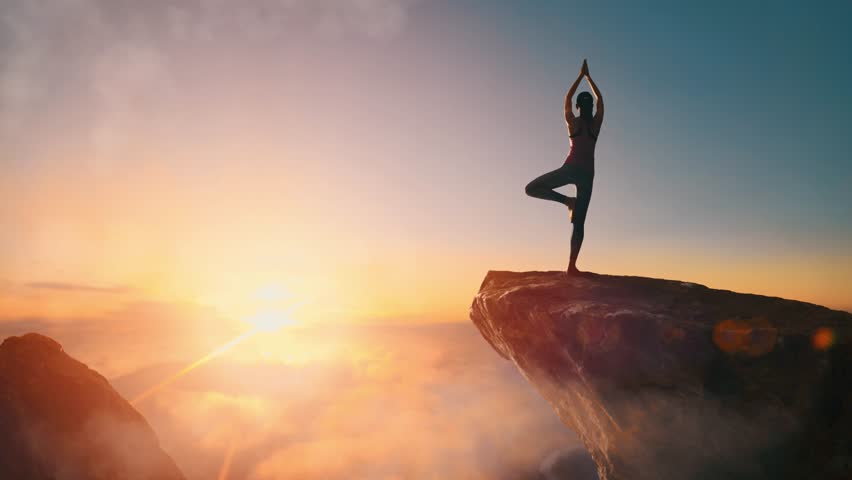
<point>583,140</point>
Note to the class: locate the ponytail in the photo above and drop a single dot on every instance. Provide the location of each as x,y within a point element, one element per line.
<point>586,112</point>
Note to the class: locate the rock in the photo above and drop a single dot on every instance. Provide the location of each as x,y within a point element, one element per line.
<point>672,380</point>
<point>575,464</point>
<point>60,420</point>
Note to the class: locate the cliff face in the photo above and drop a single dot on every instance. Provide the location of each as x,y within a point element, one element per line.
<point>672,380</point>
<point>61,420</point>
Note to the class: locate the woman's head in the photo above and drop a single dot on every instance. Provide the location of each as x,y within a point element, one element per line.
<point>585,103</point>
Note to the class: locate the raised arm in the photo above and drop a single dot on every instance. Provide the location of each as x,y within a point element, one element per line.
<point>569,106</point>
<point>599,105</point>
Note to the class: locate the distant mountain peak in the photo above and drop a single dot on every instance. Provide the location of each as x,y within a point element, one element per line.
<point>61,419</point>
<point>31,341</point>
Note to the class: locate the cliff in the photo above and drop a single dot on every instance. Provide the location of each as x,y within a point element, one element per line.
<point>672,380</point>
<point>61,420</point>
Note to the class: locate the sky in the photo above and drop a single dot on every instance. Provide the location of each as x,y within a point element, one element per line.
<point>172,169</point>
<point>372,155</point>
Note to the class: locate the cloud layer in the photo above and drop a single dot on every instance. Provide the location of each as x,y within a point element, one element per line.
<point>331,402</point>
<point>414,403</point>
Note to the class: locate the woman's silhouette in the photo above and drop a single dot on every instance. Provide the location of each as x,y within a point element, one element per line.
<point>579,167</point>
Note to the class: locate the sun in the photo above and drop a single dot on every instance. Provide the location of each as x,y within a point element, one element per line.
<point>273,308</point>
<point>272,312</point>
<point>269,321</point>
<point>272,293</point>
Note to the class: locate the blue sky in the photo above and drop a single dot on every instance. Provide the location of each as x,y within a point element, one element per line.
<point>743,108</point>
<point>726,124</point>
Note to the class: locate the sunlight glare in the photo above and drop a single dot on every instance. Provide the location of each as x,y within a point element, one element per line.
<point>272,310</point>
<point>272,292</point>
<point>270,316</point>
<point>271,320</point>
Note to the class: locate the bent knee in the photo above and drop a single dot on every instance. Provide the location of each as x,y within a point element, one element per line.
<point>531,189</point>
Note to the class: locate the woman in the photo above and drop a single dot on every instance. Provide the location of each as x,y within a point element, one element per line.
<point>579,167</point>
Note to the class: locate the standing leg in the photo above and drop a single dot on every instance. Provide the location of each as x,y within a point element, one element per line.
<point>584,197</point>
<point>576,242</point>
<point>542,187</point>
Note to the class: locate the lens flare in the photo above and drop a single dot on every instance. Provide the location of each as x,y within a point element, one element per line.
<point>201,361</point>
<point>226,462</point>
<point>730,336</point>
<point>266,321</point>
<point>823,338</point>
<point>754,336</point>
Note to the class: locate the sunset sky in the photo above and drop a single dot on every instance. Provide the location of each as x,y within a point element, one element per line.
<point>171,168</point>
<point>372,154</point>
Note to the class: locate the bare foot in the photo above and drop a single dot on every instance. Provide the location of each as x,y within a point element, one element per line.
<point>571,202</point>
<point>574,272</point>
